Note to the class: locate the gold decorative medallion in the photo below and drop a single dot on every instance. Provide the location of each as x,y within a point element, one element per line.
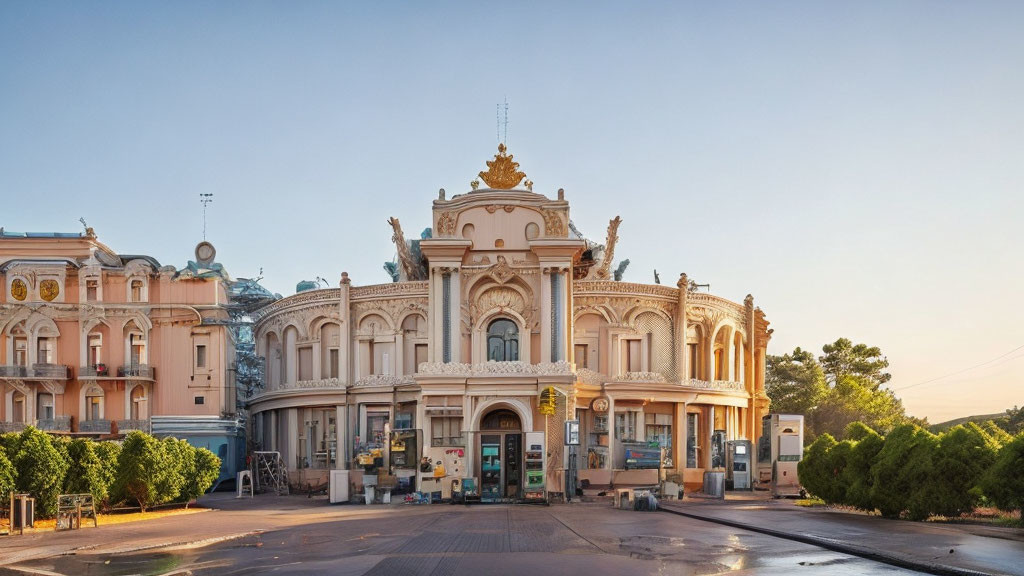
<point>48,290</point>
<point>502,173</point>
<point>18,289</point>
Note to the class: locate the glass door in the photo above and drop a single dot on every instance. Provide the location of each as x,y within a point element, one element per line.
<point>490,468</point>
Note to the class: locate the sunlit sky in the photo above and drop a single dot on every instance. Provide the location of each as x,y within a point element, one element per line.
<point>856,167</point>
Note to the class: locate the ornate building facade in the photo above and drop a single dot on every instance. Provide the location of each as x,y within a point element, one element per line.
<point>504,323</point>
<point>97,343</point>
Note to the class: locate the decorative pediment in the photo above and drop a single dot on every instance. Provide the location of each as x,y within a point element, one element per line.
<point>502,173</point>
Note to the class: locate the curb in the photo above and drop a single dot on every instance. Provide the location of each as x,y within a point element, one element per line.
<point>836,546</point>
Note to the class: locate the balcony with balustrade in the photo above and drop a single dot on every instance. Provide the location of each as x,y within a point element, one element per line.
<point>136,372</point>
<point>94,372</point>
<point>35,372</point>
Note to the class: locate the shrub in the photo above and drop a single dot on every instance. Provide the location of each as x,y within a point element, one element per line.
<point>838,459</point>
<point>177,459</point>
<point>902,473</point>
<point>107,453</point>
<point>205,470</point>
<point>964,454</point>
<point>6,478</point>
<point>84,473</point>
<point>1004,481</point>
<point>857,474</point>
<point>140,469</point>
<point>813,469</point>
<point>40,469</point>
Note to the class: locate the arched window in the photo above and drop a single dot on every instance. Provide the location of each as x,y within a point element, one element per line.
<point>503,341</point>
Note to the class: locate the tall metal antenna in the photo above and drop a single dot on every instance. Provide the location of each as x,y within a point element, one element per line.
<point>502,138</point>
<point>505,140</point>
<point>205,199</point>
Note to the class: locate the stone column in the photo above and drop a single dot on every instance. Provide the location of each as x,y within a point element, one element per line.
<point>679,436</point>
<point>345,375</point>
<point>455,316</point>
<point>611,437</point>
<point>341,438</point>
<point>749,368</point>
<point>682,358</point>
<point>545,315</point>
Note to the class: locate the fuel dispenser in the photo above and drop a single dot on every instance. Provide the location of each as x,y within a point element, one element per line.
<point>779,451</point>
<point>738,464</point>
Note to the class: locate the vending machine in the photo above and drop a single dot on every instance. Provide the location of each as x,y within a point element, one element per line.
<point>533,488</point>
<point>490,468</point>
<point>779,451</point>
<point>737,465</point>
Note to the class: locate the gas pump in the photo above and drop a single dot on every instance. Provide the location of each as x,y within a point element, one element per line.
<point>737,464</point>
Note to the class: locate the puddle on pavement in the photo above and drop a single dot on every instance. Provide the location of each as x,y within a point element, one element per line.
<point>143,564</point>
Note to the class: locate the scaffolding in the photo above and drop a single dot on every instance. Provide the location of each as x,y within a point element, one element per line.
<point>271,474</point>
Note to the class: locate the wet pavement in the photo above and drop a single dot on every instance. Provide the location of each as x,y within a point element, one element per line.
<point>947,548</point>
<point>296,536</point>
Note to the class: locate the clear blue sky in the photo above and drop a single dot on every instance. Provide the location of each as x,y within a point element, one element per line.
<point>856,167</point>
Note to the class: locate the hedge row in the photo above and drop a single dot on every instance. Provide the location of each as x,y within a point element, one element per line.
<point>141,470</point>
<point>916,474</point>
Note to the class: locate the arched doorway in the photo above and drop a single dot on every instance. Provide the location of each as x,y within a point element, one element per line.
<point>501,456</point>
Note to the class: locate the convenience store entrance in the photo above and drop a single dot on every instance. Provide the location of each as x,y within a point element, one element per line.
<point>501,456</point>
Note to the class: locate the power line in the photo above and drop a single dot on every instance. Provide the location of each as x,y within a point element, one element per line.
<point>1021,347</point>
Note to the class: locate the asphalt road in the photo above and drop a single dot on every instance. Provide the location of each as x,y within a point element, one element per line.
<point>298,536</point>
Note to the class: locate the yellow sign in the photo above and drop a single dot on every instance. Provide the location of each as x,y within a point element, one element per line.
<point>548,396</point>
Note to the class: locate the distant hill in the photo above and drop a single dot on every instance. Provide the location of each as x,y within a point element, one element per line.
<point>943,426</point>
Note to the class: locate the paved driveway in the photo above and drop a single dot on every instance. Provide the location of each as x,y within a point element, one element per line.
<point>298,536</point>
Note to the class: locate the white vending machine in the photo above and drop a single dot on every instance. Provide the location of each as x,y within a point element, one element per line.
<point>779,451</point>
<point>533,460</point>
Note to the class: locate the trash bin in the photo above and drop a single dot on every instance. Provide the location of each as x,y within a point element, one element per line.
<point>714,484</point>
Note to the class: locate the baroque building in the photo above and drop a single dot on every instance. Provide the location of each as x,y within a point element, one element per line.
<point>97,343</point>
<point>502,324</point>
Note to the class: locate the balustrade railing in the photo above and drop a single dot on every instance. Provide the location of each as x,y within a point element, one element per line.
<point>94,371</point>
<point>135,371</point>
<point>94,426</point>
<point>143,425</point>
<point>36,371</point>
<point>55,424</point>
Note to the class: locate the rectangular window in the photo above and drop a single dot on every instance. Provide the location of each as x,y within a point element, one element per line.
<point>333,363</point>
<point>692,434</point>
<point>375,422</point>
<point>45,406</point>
<point>421,356</point>
<point>404,419</point>
<point>446,431</point>
<point>95,349</point>
<point>91,290</point>
<point>719,365</point>
<point>137,291</point>
<point>633,359</point>
<point>373,364</point>
<point>94,410</point>
<point>693,360</point>
<point>20,352</point>
<point>658,428</point>
<point>200,400</point>
<point>138,349</point>
<point>625,425</point>
<point>45,351</point>
<point>580,354</point>
<point>306,363</point>
<point>200,356</point>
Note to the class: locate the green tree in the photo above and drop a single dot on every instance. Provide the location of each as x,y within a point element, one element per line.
<point>205,470</point>
<point>795,382</point>
<point>1013,422</point>
<point>84,473</point>
<point>177,457</point>
<point>852,399</point>
<point>857,474</point>
<point>107,453</point>
<point>902,473</point>
<point>7,479</point>
<point>40,469</point>
<point>814,471</point>
<point>140,469</point>
<point>1004,481</point>
<point>964,454</point>
<point>844,358</point>
<point>998,435</point>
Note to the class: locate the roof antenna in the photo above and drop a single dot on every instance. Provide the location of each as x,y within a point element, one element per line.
<point>505,139</point>
<point>205,199</point>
